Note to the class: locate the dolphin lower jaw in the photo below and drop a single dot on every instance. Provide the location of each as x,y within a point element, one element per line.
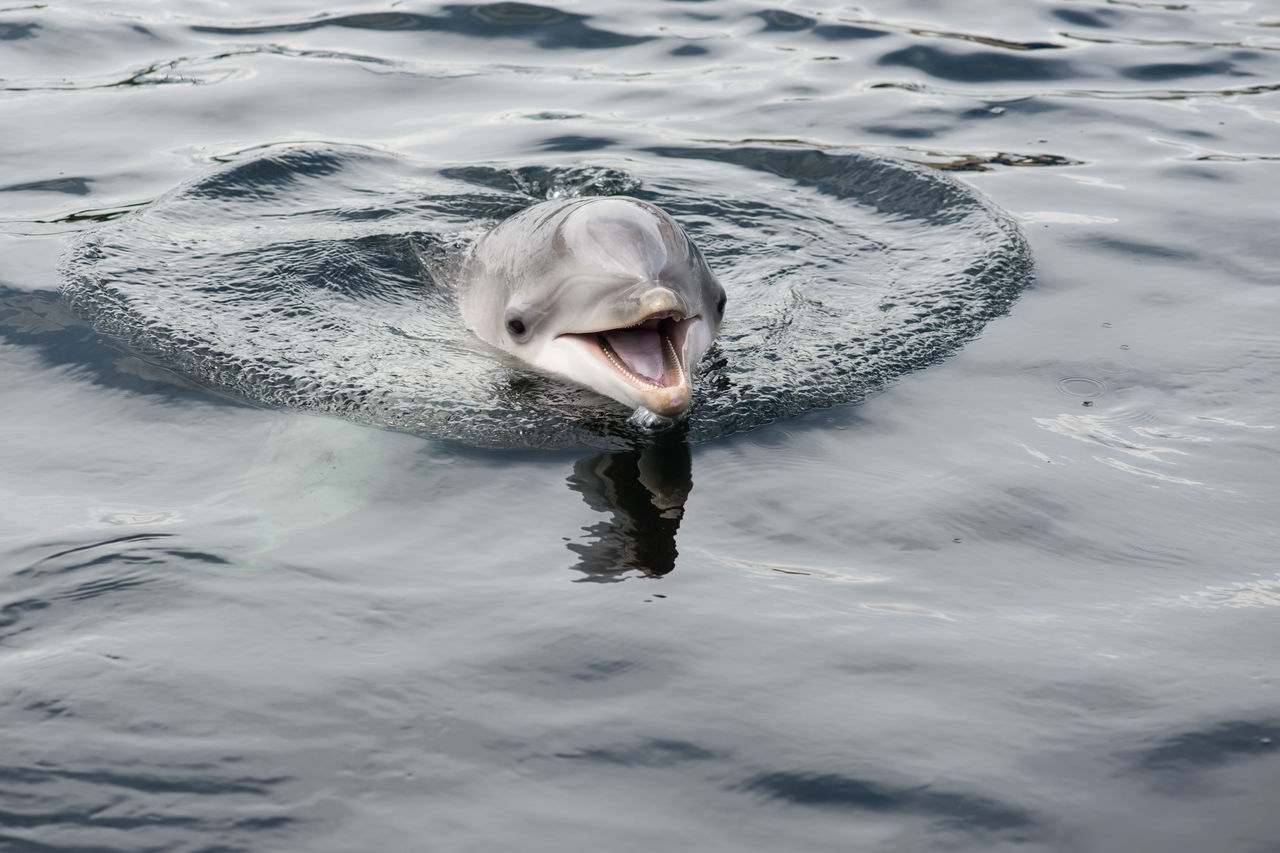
<point>645,365</point>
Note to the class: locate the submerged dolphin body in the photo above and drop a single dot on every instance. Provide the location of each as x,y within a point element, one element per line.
<point>609,293</point>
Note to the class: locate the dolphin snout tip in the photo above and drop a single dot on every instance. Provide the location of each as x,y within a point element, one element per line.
<point>669,403</point>
<point>657,300</point>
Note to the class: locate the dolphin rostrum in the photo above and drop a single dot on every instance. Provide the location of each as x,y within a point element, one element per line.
<point>605,292</point>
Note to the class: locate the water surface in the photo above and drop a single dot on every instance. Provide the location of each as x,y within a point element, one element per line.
<point>1022,598</point>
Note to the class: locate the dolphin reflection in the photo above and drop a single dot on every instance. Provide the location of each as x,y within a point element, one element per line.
<point>643,490</point>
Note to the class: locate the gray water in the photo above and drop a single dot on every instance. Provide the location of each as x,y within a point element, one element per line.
<point>325,278</point>
<point>1022,598</point>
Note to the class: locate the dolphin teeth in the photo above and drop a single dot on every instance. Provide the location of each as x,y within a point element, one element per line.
<point>644,353</point>
<point>673,360</point>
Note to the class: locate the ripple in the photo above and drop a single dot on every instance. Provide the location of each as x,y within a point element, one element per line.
<point>76,579</point>
<point>1081,386</point>
<point>845,270</point>
<point>187,70</point>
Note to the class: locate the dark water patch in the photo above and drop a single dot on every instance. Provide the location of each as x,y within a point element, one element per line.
<point>1194,133</point>
<point>979,66</point>
<point>1223,743</point>
<point>14,612</point>
<point>1197,173</point>
<point>544,26</point>
<point>689,50</point>
<point>70,186</point>
<point>10,31</point>
<point>653,752</point>
<point>1161,71</point>
<point>17,844</point>
<point>603,669</point>
<point>839,791</point>
<point>569,665</point>
<point>26,315</point>
<point>779,20</point>
<point>578,143</point>
<point>899,132</point>
<point>842,177</point>
<point>846,32</point>
<point>1098,18</point>
<point>1140,249</point>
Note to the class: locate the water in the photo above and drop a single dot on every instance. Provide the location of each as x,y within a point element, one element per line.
<point>1021,599</point>
<point>324,278</point>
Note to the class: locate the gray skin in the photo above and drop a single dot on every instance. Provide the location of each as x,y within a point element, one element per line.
<point>609,293</point>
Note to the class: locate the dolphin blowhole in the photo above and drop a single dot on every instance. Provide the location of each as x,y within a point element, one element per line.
<point>608,293</point>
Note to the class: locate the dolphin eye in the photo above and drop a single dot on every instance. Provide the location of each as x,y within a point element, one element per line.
<point>515,326</point>
<point>720,304</point>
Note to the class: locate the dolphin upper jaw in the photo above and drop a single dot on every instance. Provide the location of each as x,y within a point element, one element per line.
<point>645,365</point>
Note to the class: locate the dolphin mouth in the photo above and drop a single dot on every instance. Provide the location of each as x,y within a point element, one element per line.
<point>648,354</point>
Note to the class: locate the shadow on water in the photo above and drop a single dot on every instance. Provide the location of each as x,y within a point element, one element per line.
<point>965,812</point>
<point>1180,761</point>
<point>643,491</point>
<point>42,322</point>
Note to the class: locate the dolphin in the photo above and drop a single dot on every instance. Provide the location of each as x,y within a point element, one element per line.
<point>605,292</point>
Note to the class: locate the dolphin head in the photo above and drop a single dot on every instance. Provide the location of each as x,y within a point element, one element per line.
<point>609,293</point>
